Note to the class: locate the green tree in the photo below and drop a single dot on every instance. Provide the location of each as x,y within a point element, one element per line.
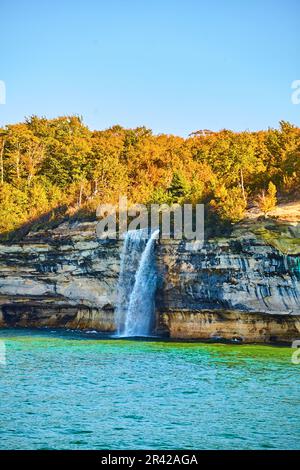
<point>179,188</point>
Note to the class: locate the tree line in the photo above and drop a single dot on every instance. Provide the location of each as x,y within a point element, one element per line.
<point>59,166</point>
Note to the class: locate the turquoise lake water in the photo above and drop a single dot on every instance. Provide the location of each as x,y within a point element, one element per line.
<point>66,390</point>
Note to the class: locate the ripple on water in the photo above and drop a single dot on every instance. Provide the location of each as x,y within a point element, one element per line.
<point>114,393</point>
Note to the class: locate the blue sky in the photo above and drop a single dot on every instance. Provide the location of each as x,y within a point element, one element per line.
<point>174,66</point>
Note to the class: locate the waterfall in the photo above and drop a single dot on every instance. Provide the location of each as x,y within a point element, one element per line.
<point>137,284</point>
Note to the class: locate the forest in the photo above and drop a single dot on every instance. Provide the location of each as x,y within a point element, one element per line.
<point>54,169</point>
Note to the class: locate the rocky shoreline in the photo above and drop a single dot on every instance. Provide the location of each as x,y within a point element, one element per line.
<point>240,288</point>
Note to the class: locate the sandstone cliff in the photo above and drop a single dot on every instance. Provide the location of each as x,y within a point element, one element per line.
<point>237,288</point>
<point>245,287</point>
<point>62,278</point>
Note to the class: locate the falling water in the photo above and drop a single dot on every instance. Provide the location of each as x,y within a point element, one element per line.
<point>137,284</point>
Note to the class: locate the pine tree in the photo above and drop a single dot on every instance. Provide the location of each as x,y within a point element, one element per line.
<point>178,188</point>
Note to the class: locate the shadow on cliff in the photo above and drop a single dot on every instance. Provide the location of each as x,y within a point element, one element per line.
<point>46,221</point>
<point>214,226</point>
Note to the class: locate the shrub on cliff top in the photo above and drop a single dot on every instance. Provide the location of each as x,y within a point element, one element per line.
<point>229,204</point>
<point>267,199</point>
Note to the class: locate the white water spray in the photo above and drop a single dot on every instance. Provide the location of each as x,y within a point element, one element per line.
<point>137,285</point>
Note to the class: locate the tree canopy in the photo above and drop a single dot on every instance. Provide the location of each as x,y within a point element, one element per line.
<point>49,163</point>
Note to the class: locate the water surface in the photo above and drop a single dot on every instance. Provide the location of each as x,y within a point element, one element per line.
<point>65,390</point>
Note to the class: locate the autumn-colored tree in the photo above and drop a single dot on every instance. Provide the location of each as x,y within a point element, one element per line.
<point>229,204</point>
<point>3,135</point>
<point>13,207</point>
<point>53,163</point>
<point>267,199</point>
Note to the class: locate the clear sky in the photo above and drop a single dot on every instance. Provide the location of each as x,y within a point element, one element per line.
<point>173,65</point>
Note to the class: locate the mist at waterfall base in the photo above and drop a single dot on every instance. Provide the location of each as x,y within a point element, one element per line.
<point>134,313</point>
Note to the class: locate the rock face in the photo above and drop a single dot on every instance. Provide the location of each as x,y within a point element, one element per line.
<point>231,325</point>
<point>235,288</point>
<point>66,279</point>
<point>240,288</point>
